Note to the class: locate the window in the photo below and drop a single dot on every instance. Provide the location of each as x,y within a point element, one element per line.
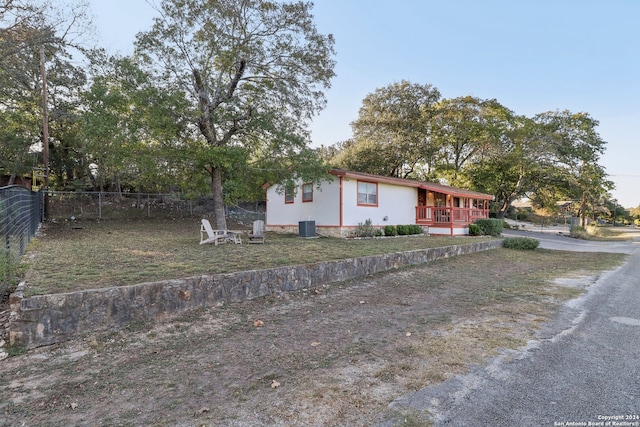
<point>367,193</point>
<point>289,195</point>
<point>307,192</point>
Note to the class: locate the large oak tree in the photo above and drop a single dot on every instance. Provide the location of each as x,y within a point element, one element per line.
<point>574,147</point>
<point>255,70</point>
<point>392,132</point>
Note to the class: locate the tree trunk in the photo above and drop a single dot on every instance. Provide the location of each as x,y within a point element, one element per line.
<point>508,201</point>
<point>218,203</point>
<point>506,205</point>
<point>583,210</point>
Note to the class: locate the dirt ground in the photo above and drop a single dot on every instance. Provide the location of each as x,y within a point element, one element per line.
<point>332,356</point>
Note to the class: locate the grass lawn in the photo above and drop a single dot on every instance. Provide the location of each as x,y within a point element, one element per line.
<point>608,233</point>
<point>339,354</point>
<point>121,252</point>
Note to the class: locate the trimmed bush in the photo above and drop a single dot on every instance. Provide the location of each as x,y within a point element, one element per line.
<point>490,226</point>
<point>475,230</point>
<point>524,243</point>
<point>409,229</point>
<point>390,230</point>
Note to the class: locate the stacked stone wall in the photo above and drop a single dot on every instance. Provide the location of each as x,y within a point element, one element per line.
<point>48,319</point>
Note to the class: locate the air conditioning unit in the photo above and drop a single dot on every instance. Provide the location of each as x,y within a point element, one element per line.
<point>307,228</point>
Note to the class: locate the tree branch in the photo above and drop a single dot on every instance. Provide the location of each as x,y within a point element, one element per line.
<point>204,122</point>
<point>219,98</point>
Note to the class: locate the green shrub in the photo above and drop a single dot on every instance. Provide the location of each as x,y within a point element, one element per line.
<point>415,229</point>
<point>409,229</point>
<point>490,226</point>
<point>475,230</point>
<point>390,230</point>
<point>366,229</point>
<point>526,243</point>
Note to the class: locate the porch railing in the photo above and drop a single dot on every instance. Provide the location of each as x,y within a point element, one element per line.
<point>439,215</point>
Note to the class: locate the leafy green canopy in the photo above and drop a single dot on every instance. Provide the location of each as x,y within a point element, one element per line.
<point>36,34</point>
<point>255,72</point>
<point>406,130</point>
<point>391,134</point>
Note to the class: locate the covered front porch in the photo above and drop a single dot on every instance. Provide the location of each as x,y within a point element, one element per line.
<point>449,214</point>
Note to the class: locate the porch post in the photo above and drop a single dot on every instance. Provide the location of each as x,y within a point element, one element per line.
<point>451,215</point>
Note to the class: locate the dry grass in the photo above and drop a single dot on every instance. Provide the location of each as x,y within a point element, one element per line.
<point>608,233</point>
<point>340,353</point>
<point>116,253</point>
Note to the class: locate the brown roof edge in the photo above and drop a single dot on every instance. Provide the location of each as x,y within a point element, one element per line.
<point>440,188</point>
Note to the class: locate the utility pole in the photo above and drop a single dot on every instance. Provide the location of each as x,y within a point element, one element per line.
<point>45,131</point>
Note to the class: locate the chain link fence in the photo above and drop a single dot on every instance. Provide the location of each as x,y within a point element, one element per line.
<point>20,216</point>
<point>246,213</point>
<point>75,206</point>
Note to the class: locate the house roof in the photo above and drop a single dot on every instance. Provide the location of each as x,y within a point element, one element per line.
<point>431,186</point>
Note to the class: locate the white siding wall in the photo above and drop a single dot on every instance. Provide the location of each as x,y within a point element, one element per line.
<point>324,209</point>
<point>395,202</point>
<point>446,231</point>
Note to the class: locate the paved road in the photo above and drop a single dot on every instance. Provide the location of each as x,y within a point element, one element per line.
<point>584,369</point>
<point>557,241</point>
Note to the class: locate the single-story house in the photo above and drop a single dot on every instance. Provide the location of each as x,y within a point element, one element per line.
<point>338,206</point>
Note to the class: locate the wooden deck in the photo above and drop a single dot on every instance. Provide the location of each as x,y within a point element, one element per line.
<point>430,215</point>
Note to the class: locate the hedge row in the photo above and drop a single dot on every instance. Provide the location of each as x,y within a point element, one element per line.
<point>402,230</point>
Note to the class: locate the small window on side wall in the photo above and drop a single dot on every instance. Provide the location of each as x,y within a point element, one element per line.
<point>307,192</point>
<point>367,193</point>
<point>289,195</point>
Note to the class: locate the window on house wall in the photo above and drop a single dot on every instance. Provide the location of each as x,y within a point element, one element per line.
<point>289,195</point>
<point>307,192</point>
<point>367,193</point>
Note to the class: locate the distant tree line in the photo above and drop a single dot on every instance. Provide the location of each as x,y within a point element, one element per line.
<point>217,98</point>
<point>408,130</point>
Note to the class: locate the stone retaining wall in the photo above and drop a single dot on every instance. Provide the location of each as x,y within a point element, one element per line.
<point>48,319</point>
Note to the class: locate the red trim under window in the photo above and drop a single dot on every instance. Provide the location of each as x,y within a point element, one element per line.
<point>304,194</point>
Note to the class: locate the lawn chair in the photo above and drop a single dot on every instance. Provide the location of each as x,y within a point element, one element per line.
<point>209,235</point>
<point>257,235</point>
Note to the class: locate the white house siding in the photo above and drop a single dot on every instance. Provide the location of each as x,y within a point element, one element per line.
<point>396,203</point>
<point>324,209</point>
<point>447,231</point>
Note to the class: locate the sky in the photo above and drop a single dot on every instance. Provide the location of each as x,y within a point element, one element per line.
<point>532,56</point>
